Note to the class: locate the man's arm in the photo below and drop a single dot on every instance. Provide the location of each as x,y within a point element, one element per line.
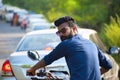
<point>32,70</point>
<point>105,63</point>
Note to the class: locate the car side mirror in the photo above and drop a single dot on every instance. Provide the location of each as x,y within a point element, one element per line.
<point>33,55</point>
<point>113,50</point>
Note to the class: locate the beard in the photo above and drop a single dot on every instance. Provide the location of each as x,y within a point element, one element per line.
<point>66,37</point>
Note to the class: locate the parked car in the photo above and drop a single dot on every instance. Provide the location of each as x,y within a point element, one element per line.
<point>9,15</point>
<point>41,16</point>
<point>33,21</point>
<point>38,26</point>
<point>2,11</point>
<point>43,41</point>
<point>9,11</point>
<point>25,22</point>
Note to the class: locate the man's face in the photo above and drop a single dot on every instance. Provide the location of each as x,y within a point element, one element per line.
<point>64,31</point>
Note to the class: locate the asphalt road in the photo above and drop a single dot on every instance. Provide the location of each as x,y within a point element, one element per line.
<point>9,38</point>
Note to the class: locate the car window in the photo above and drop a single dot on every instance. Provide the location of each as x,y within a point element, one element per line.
<point>41,27</point>
<point>39,42</point>
<point>10,11</point>
<point>95,38</point>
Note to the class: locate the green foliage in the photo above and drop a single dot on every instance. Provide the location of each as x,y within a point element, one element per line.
<point>114,7</point>
<point>53,16</point>
<point>111,35</point>
<point>112,31</point>
<point>87,13</point>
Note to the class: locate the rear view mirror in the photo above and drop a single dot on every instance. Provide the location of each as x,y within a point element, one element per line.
<point>114,50</point>
<point>33,55</point>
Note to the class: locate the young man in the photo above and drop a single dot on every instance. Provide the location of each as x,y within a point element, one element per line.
<point>83,57</point>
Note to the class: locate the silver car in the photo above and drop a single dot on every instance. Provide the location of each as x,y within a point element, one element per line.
<point>43,41</point>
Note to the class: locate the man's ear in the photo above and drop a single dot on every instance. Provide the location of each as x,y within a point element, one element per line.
<point>74,28</point>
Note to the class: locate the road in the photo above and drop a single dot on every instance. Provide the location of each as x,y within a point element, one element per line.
<point>9,38</point>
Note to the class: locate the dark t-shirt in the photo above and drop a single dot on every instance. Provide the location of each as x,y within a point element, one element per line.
<point>82,56</point>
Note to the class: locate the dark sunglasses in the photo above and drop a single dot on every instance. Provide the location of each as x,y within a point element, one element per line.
<point>63,30</point>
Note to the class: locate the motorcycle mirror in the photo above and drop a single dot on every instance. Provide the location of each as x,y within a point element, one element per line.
<point>33,55</point>
<point>113,50</point>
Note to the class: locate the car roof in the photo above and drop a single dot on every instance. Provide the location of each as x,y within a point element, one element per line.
<point>41,24</point>
<point>32,19</point>
<point>42,31</point>
<point>36,20</point>
<point>82,31</point>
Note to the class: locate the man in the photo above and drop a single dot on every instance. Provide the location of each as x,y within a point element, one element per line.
<point>83,57</point>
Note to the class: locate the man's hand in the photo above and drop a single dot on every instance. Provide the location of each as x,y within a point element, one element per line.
<point>30,72</point>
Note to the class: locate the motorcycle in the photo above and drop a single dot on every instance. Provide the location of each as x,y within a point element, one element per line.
<point>43,74</point>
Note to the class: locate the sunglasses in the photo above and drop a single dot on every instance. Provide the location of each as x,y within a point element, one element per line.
<point>63,30</point>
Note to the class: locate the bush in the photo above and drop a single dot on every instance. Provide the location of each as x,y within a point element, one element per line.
<point>112,31</point>
<point>111,35</point>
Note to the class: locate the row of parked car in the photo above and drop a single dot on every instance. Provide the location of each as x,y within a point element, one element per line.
<point>27,20</point>
<point>42,42</point>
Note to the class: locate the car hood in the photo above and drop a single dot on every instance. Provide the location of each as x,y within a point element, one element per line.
<point>20,62</point>
<point>20,58</point>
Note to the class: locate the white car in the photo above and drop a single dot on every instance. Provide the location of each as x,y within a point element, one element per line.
<point>9,11</point>
<point>9,15</point>
<point>33,21</point>
<point>31,17</point>
<point>41,16</point>
<point>38,26</point>
<point>43,41</point>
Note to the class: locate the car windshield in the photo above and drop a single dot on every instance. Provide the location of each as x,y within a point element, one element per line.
<point>39,42</point>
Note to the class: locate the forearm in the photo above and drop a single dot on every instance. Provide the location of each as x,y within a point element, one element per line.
<point>40,64</point>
